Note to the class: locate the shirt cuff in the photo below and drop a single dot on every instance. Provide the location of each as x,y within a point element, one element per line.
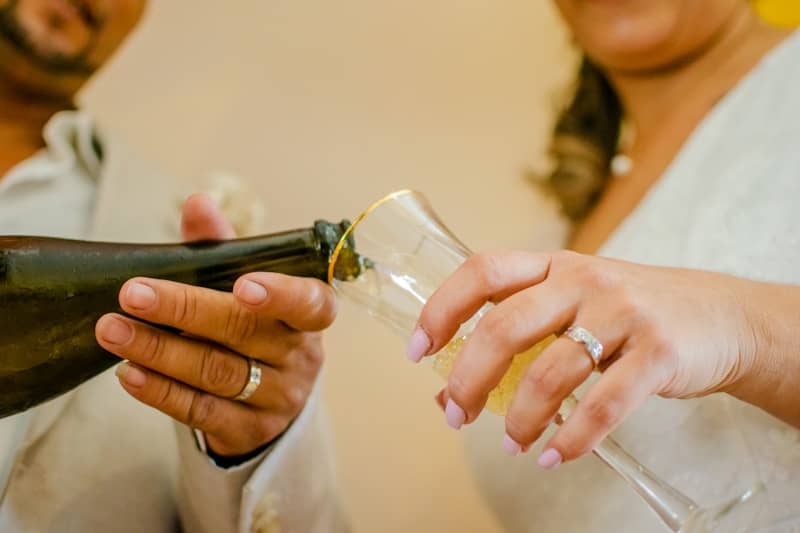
<point>225,463</point>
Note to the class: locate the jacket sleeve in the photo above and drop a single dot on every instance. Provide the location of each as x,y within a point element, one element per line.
<point>289,487</point>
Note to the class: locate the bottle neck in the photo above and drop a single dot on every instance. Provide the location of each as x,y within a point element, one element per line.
<point>303,252</point>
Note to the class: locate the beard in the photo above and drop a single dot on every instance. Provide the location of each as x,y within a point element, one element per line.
<point>12,31</point>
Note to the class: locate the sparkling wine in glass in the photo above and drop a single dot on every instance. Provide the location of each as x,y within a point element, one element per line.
<point>391,260</point>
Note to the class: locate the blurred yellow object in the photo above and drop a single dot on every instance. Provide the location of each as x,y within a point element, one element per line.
<point>784,13</point>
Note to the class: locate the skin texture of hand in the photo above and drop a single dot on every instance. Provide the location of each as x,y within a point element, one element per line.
<point>272,318</point>
<point>669,332</point>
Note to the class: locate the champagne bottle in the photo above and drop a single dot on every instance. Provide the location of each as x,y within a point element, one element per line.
<point>53,291</point>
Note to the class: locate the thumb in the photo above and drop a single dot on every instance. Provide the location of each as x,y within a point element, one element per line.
<point>201,219</point>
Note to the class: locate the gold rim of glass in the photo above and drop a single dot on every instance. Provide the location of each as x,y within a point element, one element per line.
<point>343,239</point>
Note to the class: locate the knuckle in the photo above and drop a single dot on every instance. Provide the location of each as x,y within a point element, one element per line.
<point>153,349</point>
<point>521,431</point>
<point>603,413</point>
<point>485,268</point>
<point>184,309</point>
<point>461,391</point>
<point>240,324</point>
<point>165,394</point>
<point>562,258</point>
<point>218,372</point>
<point>544,380</point>
<point>500,323</point>
<point>313,356</point>
<point>627,307</point>
<point>265,429</point>
<point>596,275</point>
<point>662,355</point>
<point>303,361</point>
<point>572,449</point>
<point>318,303</point>
<point>328,307</point>
<point>296,396</point>
<point>312,297</point>
<point>665,346</point>
<point>591,275</point>
<point>201,410</point>
<point>661,346</point>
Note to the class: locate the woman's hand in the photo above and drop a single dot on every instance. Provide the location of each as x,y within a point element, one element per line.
<point>669,332</point>
<point>272,318</point>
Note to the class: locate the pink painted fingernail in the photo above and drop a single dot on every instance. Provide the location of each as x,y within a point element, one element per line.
<point>418,346</point>
<point>131,375</point>
<point>251,292</point>
<point>511,446</point>
<point>140,296</point>
<point>455,415</point>
<point>114,330</point>
<point>550,459</point>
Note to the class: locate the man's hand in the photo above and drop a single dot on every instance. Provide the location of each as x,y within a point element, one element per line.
<point>271,318</point>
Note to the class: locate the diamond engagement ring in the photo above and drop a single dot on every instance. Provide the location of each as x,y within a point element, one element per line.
<point>252,382</point>
<point>594,349</point>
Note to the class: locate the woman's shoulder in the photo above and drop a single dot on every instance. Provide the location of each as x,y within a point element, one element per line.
<point>767,99</point>
<point>728,200</point>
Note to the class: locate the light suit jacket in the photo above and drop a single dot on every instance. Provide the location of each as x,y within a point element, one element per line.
<point>97,460</point>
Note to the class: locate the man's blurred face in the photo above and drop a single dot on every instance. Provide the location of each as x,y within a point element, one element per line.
<point>61,42</point>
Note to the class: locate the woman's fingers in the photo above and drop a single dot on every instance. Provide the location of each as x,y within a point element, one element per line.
<point>621,389</point>
<point>510,328</point>
<point>557,372</point>
<point>482,278</point>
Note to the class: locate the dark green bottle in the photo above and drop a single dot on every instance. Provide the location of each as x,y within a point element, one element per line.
<point>53,291</point>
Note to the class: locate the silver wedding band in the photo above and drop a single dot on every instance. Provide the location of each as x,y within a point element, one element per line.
<point>252,382</point>
<point>594,349</point>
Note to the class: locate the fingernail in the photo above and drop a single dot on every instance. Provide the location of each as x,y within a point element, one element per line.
<point>251,292</point>
<point>455,415</point>
<point>550,459</point>
<point>140,296</point>
<point>130,375</point>
<point>511,446</point>
<point>114,330</point>
<point>418,346</point>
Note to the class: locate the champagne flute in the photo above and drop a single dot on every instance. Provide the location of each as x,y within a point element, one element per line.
<point>390,261</point>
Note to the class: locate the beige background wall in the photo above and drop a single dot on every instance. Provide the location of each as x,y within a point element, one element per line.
<point>327,106</point>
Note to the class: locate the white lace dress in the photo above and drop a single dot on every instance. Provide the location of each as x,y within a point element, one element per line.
<point>730,202</point>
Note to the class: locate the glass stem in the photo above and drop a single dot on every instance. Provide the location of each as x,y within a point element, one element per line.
<point>674,509</point>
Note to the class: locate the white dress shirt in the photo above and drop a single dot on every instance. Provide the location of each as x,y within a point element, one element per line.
<point>55,463</point>
<point>50,194</point>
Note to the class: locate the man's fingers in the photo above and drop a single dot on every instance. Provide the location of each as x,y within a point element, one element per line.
<point>303,304</point>
<point>202,220</point>
<point>203,366</point>
<point>214,315</point>
<point>203,411</point>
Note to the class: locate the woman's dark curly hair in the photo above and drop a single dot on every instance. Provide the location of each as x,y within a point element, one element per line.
<point>584,142</point>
